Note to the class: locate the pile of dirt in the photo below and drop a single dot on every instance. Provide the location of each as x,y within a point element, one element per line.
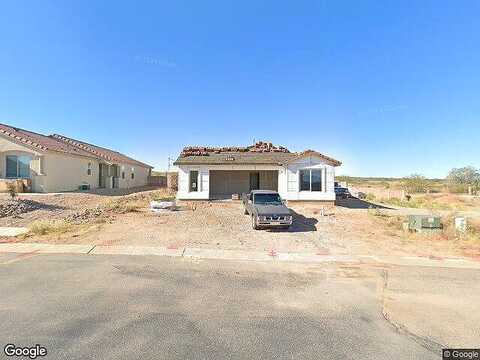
<point>18,207</point>
<point>87,215</point>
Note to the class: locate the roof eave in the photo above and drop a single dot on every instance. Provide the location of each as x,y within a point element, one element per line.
<point>225,163</point>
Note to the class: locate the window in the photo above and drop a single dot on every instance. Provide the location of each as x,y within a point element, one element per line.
<point>267,199</point>
<point>89,169</point>
<point>123,174</point>
<point>133,173</point>
<point>193,186</point>
<point>304,180</point>
<point>18,166</point>
<point>316,180</point>
<point>310,180</point>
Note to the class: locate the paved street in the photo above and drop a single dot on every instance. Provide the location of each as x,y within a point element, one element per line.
<point>147,307</point>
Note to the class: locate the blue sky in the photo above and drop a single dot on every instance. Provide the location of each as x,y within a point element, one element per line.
<point>388,87</point>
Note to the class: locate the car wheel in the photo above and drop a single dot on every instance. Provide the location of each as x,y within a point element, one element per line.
<point>254,222</point>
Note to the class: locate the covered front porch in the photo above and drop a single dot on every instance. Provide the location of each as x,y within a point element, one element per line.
<point>214,182</point>
<point>225,183</point>
<point>109,175</point>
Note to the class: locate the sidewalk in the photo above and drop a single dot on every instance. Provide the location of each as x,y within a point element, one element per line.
<point>269,256</point>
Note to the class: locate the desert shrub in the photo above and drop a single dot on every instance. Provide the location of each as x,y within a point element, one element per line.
<point>125,205</point>
<point>12,190</point>
<point>133,206</point>
<point>375,211</point>
<point>44,227</point>
<point>164,195</point>
<point>370,197</point>
<point>415,184</point>
<point>459,180</point>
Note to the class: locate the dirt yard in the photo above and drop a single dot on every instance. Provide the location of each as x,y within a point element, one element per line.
<point>117,219</point>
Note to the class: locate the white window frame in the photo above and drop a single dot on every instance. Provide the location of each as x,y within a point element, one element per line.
<point>189,180</point>
<point>18,166</point>
<point>322,180</point>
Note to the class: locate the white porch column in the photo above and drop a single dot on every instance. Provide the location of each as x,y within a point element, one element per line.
<point>324,179</point>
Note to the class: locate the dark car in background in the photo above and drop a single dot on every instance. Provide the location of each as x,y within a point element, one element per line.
<point>342,193</point>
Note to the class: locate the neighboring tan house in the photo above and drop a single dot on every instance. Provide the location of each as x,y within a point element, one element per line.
<point>216,173</point>
<point>57,163</point>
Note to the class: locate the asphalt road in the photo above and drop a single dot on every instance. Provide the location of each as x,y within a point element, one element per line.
<point>137,307</point>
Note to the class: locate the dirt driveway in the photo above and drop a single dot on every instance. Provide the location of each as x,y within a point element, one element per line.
<point>214,225</point>
<point>341,230</point>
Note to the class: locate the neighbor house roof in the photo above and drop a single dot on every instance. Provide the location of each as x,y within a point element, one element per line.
<point>65,145</point>
<point>103,153</point>
<point>257,154</point>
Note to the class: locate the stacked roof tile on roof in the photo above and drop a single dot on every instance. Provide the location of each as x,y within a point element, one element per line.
<point>259,154</point>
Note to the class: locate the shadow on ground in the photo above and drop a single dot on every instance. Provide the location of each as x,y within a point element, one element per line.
<point>301,223</point>
<point>355,203</point>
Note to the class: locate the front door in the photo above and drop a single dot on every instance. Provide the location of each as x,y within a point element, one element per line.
<point>101,175</point>
<point>254,181</point>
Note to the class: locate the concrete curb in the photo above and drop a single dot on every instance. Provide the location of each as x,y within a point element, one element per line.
<point>45,248</point>
<point>10,231</point>
<point>239,255</point>
<point>226,254</point>
<point>136,250</point>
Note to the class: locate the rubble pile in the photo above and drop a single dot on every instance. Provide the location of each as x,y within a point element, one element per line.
<point>259,146</point>
<point>18,207</point>
<point>86,216</point>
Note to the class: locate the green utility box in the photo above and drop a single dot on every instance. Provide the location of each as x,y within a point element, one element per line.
<point>423,223</point>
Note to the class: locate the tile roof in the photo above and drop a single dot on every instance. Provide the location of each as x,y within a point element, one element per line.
<point>217,156</point>
<point>63,144</point>
<point>100,152</point>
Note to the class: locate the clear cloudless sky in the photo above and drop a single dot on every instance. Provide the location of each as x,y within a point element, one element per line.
<point>390,88</point>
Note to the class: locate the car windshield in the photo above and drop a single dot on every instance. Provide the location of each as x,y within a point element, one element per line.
<point>267,199</point>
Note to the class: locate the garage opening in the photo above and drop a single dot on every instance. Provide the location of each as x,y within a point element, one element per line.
<point>224,183</point>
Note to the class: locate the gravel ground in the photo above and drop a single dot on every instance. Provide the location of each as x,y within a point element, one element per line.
<point>27,208</point>
<point>339,230</point>
<point>47,207</point>
<point>218,225</point>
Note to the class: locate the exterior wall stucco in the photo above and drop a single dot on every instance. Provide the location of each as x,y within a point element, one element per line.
<point>56,172</point>
<point>183,192</point>
<point>288,179</point>
<point>141,175</point>
<point>67,173</point>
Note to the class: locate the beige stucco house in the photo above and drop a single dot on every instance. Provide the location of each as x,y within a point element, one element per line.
<point>214,173</point>
<point>58,163</point>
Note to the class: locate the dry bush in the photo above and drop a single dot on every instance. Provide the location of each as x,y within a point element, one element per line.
<point>164,194</point>
<point>374,211</point>
<point>12,190</point>
<point>44,227</point>
<point>126,205</point>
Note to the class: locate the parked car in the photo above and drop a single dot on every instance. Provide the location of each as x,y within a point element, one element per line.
<point>267,209</point>
<point>342,193</point>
